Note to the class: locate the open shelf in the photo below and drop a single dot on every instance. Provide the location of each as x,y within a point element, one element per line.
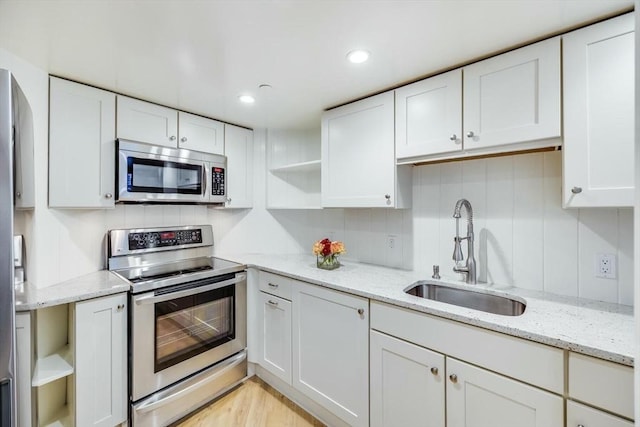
<point>52,367</point>
<point>62,418</point>
<point>310,166</point>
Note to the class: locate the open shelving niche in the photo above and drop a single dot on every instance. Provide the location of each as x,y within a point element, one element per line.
<point>54,366</point>
<point>293,169</point>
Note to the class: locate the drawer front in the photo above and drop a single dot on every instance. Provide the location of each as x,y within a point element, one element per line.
<point>582,415</point>
<point>603,384</point>
<point>277,285</point>
<point>530,362</point>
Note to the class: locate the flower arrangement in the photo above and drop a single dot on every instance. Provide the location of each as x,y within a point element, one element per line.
<point>327,253</point>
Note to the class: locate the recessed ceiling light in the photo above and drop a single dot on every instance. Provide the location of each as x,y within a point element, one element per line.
<point>247,99</point>
<point>358,56</point>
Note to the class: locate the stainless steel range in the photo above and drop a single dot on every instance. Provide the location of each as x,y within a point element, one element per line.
<point>187,339</point>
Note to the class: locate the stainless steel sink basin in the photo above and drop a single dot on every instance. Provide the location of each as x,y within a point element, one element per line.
<point>467,298</point>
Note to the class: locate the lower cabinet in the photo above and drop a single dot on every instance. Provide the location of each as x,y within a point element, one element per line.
<point>275,354</point>
<point>585,416</point>
<point>24,367</point>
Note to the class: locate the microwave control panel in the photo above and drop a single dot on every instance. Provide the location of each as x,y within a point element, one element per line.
<point>156,239</point>
<point>217,181</point>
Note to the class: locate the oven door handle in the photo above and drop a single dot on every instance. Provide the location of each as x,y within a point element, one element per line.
<point>224,367</point>
<point>152,299</point>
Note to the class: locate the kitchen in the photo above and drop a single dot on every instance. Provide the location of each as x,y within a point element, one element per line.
<point>63,244</point>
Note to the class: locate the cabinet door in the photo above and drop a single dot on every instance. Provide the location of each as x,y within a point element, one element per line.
<point>276,336</point>
<point>24,360</point>
<point>586,416</point>
<point>239,152</point>
<point>429,116</point>
<point>358,154</point>
<point>331,351</point>
<point>479,398</point>
<point>81,146</point>
<point>407,384</point>
<point>598,151</point>
<point>200,134</point>
<point>101,361</point>
<point>145,122</point>
<point>513,97</point>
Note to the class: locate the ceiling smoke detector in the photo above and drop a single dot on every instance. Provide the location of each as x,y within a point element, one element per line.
<point>358,56</point>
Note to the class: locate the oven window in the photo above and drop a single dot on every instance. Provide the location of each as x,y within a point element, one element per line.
<point>161,176</point>
<point>188,326</point>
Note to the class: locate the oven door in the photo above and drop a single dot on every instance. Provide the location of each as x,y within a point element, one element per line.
<point>179,331</point>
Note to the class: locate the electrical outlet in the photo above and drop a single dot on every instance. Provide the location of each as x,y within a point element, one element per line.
<point>394,250</point>
<point>606,266</point>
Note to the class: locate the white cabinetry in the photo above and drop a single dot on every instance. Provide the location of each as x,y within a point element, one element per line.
<point>330,351</point>
<point>154,124</point>
<point>275,354</point>
<point>146,122</point>
<point>358,156</point>
<point>598,151</point>
<point>585,416</point>
<point>513,97</point>
<point>407,384</point>
<point>429,116</point>
<point>24,366</point>
<point>81,146</point>
<point>238,143</point>
<point>101,361</point>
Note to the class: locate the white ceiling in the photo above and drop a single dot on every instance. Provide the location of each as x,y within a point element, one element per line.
<point>199,55</point>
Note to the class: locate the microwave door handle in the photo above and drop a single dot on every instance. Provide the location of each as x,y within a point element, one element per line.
<point>204,180</point>
<point>152,299</point>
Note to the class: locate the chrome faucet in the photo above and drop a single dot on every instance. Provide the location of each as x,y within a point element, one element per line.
<point>469,269</point>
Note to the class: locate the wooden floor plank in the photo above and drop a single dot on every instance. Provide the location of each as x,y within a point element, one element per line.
<point>253,404</point>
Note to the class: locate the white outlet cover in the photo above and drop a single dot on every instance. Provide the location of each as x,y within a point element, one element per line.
<point>605,266</point>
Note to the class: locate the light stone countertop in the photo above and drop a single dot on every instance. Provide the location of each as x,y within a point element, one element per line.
<point>596,329</point>
<point>93,285</point>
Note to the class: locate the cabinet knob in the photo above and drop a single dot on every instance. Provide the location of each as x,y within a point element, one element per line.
<point>453,137</point>
<point>18,195</point>
<point>576,190</point>
<point>453,378</point>
<point>361,311</point>
<point>580,425</point>
<point>273,303</point>
<point>228,199</point>
<point>470,134</point>
<point>387,196</point>
<point>183,139</point>
<point>434,370</point>
<point>172,138</point>
<point>272,285</point>
<point>120,307</point>
<point>108,196</point>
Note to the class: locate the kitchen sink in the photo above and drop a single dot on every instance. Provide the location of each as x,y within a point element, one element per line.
<point>467,298</point>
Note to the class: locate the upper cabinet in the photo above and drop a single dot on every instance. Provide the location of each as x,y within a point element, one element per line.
<point>429,116</point>
<point>239,150</point>
<point>598,152</point>
<point>513,97</point>
<point>358,156</point>
<point>81,126</point>
<point>200,134</point>
<point>505,103</point>
<point>154,124</point>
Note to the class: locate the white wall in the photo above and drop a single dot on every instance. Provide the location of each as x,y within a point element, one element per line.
<point>523,236</point>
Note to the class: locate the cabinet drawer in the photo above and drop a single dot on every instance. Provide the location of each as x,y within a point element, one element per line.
<point>277,285</point>
<point>581,415</point>
<point>530,362</point>
<point>606,385</point>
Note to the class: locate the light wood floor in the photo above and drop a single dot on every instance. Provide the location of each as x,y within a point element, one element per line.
<point>253,404</point>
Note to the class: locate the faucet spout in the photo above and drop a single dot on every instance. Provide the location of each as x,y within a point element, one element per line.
<point>469,269</point>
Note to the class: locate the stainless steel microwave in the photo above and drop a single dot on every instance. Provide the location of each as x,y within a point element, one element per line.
<point>153,174</point>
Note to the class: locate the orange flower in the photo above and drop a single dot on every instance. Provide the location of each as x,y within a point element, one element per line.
<point>337,247</point>
<point>325,247</point>
<point>317,248</point>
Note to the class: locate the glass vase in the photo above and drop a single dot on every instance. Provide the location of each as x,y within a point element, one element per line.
<point>329,262</point>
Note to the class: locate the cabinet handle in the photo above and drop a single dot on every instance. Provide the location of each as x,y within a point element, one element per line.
<point>453,137</point>
<point>470,134</point>
<point>172,138</point>
<point>228,199</point>
<point>453,378</point>
<point>576,190</point>
<point>387,196</point>
<point>272,285</point>
<point>580,425</point>
<point>273,303</point>
<point>18,195</point>
<point>120,307</point>
<point>108,196</point>
<point>434,370</point>
<point>183,139</point>
<point>361,311</point>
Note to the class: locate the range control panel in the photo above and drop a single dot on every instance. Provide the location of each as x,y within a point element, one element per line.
<point>217,181</point>
<point>157,239</point>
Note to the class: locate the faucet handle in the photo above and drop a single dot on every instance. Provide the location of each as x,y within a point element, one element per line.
<point>457,250</point>
<point>436,272</point>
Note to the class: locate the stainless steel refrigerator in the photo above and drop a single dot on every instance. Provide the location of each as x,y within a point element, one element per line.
<point>15,122</point>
